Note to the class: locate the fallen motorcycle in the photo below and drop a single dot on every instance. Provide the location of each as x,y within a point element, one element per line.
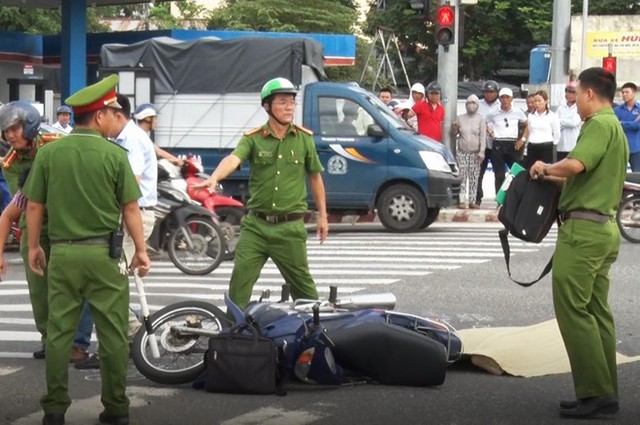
<point>628,214</point>
<point>365,336</point>
<point>189,233</point>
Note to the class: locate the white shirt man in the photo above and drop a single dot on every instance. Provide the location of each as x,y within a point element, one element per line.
<point>570,122</point>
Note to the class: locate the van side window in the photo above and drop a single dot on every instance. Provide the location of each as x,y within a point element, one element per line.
<point>342,117</point>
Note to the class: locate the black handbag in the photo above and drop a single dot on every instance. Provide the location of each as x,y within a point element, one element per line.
<point>529,210</point>
<point>242,362</point>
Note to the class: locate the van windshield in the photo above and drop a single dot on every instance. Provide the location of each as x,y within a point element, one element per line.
<point>391,117</point>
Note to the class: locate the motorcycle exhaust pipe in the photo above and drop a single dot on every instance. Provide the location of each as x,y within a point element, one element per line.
<point>144,307</point>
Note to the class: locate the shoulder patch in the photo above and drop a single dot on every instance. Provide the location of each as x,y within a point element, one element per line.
<point>253,131</point>
<point>304,129</point>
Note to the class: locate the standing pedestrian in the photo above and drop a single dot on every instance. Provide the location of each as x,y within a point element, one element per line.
<point>430,114</point>
<point>570,121</point>
<point>471,130</point>
<point>531,104</point>
<point>63,124</point>
<point>280,154</point>
<point>385,95</point>
<point>147,117</point>
<point>87,185</point>
<point>489,103</point>
<point>628,112</point>
<point>20,124</point>
<point>588,244</point>
<point>544,131</point>
<point>507,126</point>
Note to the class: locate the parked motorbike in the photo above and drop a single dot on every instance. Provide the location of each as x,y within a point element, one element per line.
<point>189,233</point>
<point>364,336</point>
<point>628,215</point>
<point>228,210</point>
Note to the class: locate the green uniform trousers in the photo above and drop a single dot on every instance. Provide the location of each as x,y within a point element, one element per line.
<point>585,251</point>
<point>285,244</point>
<point>78,272</point>
<point>37,285</point>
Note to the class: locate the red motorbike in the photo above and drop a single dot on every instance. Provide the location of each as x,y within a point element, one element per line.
<point>229,210</point>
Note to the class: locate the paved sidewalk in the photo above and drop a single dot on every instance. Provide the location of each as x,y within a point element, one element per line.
<point>488,211</point>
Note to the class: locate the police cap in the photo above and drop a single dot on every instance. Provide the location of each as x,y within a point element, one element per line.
<point>95,96</point>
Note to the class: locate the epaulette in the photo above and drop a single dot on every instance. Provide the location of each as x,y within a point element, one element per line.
<point>303,129</point>
<point>43,139</point>
<point>9,158</point>
<point>253,131</point>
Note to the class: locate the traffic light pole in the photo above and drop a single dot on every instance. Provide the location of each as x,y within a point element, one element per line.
<point>448,79</point>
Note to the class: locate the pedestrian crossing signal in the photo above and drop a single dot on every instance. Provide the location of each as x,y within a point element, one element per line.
<point>445,25</point>
<point>610,63</point>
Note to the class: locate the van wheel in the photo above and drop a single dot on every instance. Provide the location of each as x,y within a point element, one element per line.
<point>432,215</point>
<point>402,208</point>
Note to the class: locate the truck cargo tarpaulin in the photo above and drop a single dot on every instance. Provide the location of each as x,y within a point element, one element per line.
<point>210,65</point>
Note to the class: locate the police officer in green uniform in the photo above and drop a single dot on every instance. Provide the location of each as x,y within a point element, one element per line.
<point>20,122</point>
<point>86,184</point>
<point>280,154</point>
<point>587,246</point>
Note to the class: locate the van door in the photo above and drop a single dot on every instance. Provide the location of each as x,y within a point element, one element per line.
<point>355,164</point>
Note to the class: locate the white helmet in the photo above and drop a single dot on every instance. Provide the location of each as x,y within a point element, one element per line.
<point>418,88</point>
<point>145,110</point>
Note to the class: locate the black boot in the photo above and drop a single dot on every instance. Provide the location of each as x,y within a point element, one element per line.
<point>53,419</point>
<point>107,418</point>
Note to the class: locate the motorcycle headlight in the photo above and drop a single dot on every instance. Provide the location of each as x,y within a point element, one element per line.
<point>434,161</point>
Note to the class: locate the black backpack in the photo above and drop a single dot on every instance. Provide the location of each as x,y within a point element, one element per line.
<point>528,212</point>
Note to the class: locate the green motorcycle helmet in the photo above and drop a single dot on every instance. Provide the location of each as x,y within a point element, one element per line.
<point>276,86</point>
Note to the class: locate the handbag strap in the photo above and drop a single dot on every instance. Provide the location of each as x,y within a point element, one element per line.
<point>504,241</point>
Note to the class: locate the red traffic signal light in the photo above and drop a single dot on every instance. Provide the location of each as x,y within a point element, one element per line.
<point>610,63</point>
<point>445,25</point>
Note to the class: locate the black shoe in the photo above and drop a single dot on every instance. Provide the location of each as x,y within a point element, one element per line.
<point>569,404</point>
<point>53,419</point>
<point>40,354</point>
<point>592,407</point>
<point>92,362</point>
<point>107,418</point>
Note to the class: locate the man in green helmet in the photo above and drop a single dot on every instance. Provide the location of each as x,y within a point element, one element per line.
<point>280,154</point>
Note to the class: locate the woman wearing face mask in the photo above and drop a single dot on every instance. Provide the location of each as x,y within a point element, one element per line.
<point>471,132</point>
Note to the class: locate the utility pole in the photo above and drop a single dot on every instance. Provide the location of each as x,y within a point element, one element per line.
<point>583,48</point>
<point>560,50</point>
<point>448,77</point>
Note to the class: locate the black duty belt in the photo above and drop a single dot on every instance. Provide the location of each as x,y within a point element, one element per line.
<point>275,219</point>
<point>585,215</point>
<point>103,240</point>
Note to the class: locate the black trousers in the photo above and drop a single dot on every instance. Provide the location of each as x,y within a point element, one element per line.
<point>503,156</point>
<point>561,155</point>
<point>483,168</point>
<point>539,152</point>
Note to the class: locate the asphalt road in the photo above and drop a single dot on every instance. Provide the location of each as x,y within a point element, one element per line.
<point>476,294</point>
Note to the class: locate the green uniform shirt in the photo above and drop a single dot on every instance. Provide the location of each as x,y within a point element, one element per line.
<point>13,172</point>
<point>278,168</point>
<point>602,148</point>
<point>84,180</point>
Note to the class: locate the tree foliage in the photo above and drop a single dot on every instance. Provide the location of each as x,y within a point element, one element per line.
<point>318,16</point>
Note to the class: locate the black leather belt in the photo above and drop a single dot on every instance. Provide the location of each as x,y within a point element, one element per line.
<point>87,241</point>
<point>585,215</point>
<point>275,219</point>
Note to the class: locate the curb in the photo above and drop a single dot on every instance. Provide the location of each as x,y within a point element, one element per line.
<point>447,215</point>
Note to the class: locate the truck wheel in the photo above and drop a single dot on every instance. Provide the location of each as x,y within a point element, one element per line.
<point>432,215</point>
<point>402,208</point>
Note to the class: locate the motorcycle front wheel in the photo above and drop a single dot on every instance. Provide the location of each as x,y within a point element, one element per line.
<point>198,247</point>
<point>628,218</point>
<point>181,356</point>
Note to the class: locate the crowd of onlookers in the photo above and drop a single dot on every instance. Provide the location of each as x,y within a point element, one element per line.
<point>492,130</point>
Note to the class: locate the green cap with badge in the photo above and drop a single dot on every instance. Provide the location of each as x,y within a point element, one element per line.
<point>96,96</point>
